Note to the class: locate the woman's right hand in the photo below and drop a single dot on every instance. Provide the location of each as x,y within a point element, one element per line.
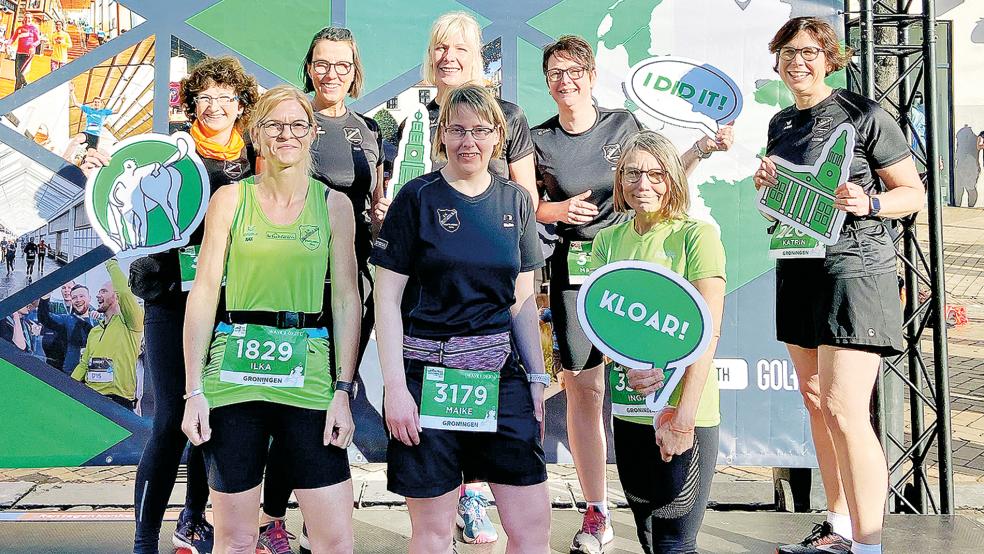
<point>402,419</point>
<point>195,421</point>
<point>644,381</point>
<point>766,176</point>
<point>94,159</point>
<point>578,211</point>
<point>380,209</point>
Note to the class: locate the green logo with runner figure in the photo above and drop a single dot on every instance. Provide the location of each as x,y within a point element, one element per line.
<point>150,197</point>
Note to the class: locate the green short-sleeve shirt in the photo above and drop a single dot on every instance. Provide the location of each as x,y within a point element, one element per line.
<point>689,247</point>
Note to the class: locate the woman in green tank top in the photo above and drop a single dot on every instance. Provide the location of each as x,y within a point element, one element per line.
<point>259,388</point>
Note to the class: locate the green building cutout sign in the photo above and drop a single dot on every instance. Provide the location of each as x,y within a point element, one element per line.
<point>644,316</point>
<point>413,157</point>
<point>804,196</point>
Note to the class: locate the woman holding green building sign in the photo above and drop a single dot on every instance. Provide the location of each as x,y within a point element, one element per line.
<point>839,314</point>
<point>667,475</point>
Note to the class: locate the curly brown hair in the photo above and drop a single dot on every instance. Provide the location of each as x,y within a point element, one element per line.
<point>224,71</point>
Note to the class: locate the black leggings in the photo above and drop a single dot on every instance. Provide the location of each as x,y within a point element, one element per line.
<point>644,476</point>
<point>276,491</point>
<point>161,456</point>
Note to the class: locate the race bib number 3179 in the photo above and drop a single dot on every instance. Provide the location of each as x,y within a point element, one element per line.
<point>459,399</point>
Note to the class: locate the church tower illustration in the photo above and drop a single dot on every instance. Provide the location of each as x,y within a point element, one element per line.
<point>413,158</point>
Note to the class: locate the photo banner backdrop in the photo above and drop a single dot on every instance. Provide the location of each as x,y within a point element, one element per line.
<point>684,67</point>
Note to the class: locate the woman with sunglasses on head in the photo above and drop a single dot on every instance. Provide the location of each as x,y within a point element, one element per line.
<point>347,155</point>
<point>454,58</point>
<point>463,371</point>
<point>577,151</point>
<point>840,313</point>
<point>666,475</point>
<point>259,387</point>
<point>217,97</point>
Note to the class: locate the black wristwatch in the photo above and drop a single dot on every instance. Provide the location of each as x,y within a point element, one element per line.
<point>874,205</point>
<point>350,388</point>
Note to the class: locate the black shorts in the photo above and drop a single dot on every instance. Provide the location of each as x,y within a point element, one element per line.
<point>241,444</point>
<point>513,455</point>
<point>91,140</point>
<point>848,299</point>
<point>576,351</point>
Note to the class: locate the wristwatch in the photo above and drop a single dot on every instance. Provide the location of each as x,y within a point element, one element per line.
<point>700,152</point>
<point>542,378</point>
<point>874,205</point>
<point>350,388</point>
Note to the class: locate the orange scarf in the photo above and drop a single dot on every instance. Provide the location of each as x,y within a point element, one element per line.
<point>208,148</point>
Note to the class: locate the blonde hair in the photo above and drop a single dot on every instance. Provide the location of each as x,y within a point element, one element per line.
<point>479,100</point>
<point>446,27</point>
<point>269,102</point>
<point>677,198</point>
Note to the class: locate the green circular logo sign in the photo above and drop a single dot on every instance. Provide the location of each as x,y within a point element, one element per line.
<point>150,197</point>
<point>644,316</point>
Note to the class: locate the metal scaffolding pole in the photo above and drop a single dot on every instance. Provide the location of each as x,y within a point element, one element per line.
<point>910,60</point>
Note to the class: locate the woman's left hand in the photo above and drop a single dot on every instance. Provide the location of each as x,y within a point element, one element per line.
<point>721,142</point>
<point>339,427</point>
<point>852,199</point>
<point>672,441</point>
<point>536,390</point>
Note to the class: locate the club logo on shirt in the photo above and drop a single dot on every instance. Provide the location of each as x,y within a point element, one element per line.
<point>821,128</point>
<point>448,218</point>
<point>507,221</point>
<point>233,169</point>
<point>310,236</point>
<point>612,153</point>
<point>353,135</point>
<point>249,233</point>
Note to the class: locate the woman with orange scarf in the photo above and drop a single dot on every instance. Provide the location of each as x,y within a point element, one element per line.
<point>217,96</point>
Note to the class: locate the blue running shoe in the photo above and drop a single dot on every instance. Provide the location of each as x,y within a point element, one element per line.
<point>193,533</point>
<point>473,519</point>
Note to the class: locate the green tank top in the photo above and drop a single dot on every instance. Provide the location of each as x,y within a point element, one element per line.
<point>272,267</point>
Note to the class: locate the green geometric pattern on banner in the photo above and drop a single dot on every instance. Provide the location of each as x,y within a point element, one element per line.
<point>533,96</point>
<point>376,25</point>
<point>44,427</point>
<point>265,32</point>
<point>630,23</point>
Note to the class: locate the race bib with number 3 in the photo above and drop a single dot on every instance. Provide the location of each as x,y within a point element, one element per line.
<point>459,399</point>
<point>578,262</point>
<point>100,370</point>
<point>265,356</point>
<point>625,401</point>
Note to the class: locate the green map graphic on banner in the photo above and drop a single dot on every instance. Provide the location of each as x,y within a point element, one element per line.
<point>804,196</point>
<point>644,316</point>
<point>151,195</point>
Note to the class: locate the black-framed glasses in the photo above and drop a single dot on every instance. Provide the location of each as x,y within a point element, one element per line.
<point>655,176</point>
<point>273,129</point>
<point>322,67</point>
<point>809,53</point>
<point>224,100</point>
<point>478,133</point>
<point>574,73</point>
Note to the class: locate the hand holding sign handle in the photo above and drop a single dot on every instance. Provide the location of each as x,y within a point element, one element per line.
<point>644,316</point>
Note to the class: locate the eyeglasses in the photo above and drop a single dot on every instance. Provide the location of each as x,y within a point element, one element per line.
<point>809,53</point>
<point>655,176</point>
<point>478,133</point>
<point>574,73</point>
<point>206,100</point>
<point>273,129</point>
<point>323,67</point>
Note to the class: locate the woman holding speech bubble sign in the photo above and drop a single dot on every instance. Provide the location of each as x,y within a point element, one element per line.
<point>667,475</point>
<point>840,313</point>
<point>577,151</point>
<point>463,372</point>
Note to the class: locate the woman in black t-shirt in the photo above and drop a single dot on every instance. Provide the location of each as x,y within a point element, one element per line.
<point>458,403</point>
<point>840,313</point>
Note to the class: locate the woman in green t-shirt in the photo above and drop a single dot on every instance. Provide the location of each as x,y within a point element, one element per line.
<point>666,475</point>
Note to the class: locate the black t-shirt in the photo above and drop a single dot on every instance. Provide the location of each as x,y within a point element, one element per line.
<point>519,143</point>
<point>798,136</point>
<point>31,251</point>
<point>569,164</point>
<point>465,252</point>
<point>346,153</point>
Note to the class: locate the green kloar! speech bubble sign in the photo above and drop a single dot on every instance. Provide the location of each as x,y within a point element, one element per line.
<point>644,316</point>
